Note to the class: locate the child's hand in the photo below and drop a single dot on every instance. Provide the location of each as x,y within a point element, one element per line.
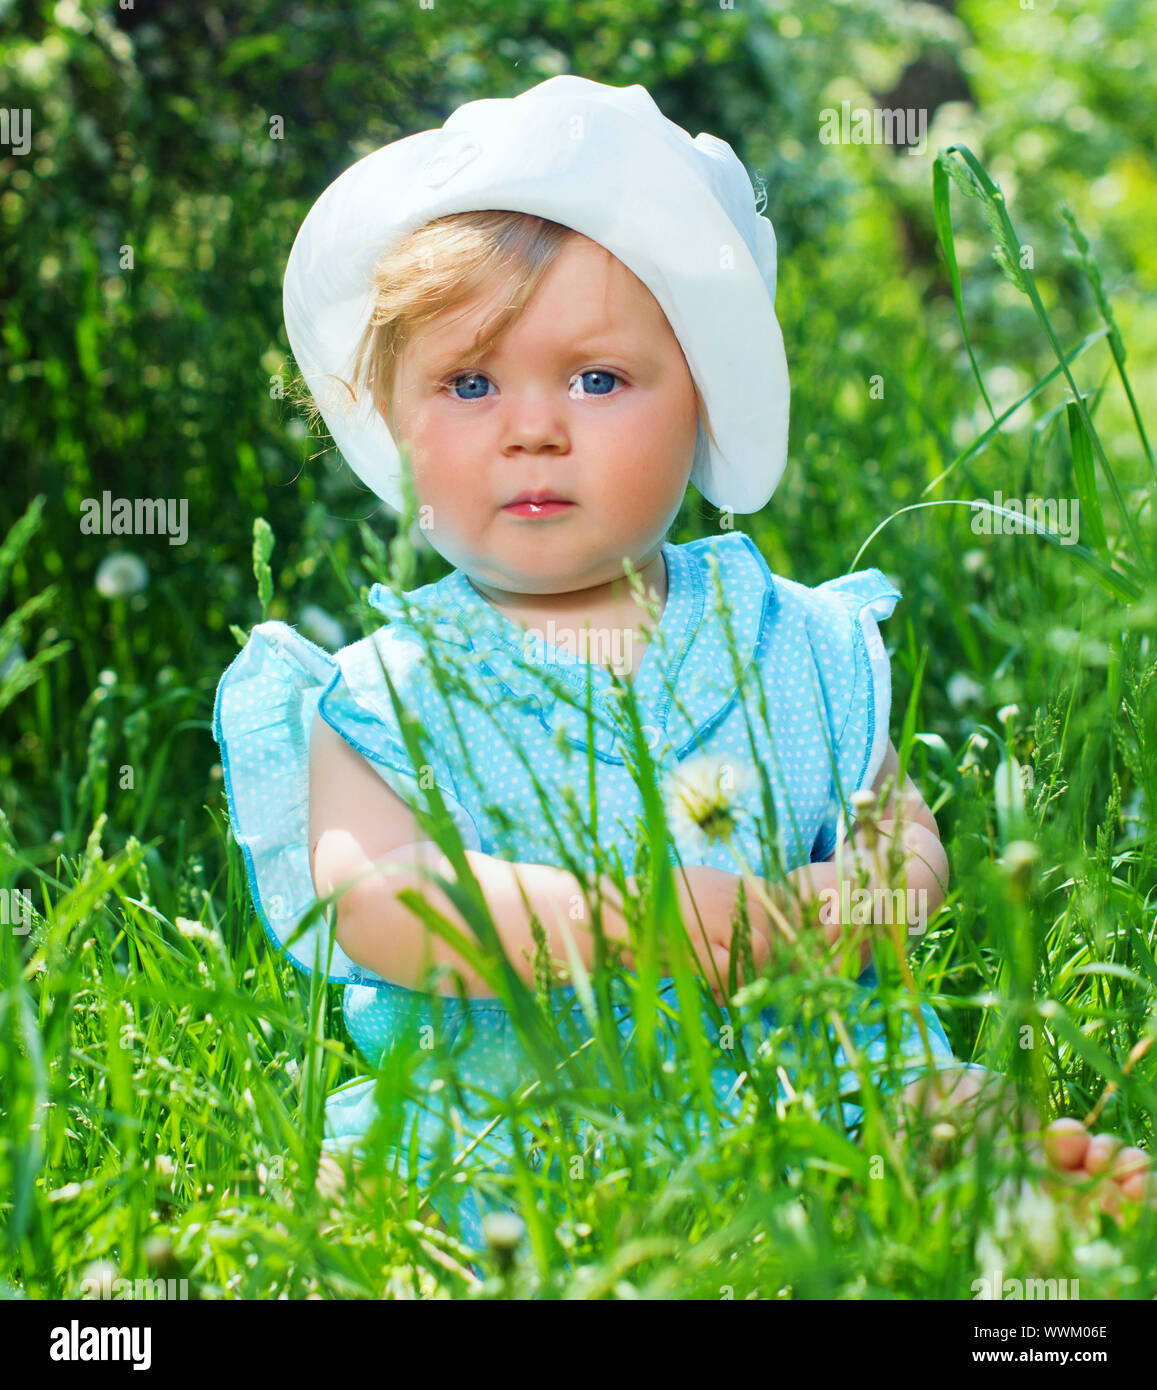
<point>808,917</point>
<point>1081,1158</point>
<point>707,902</point>
<point>810,900</point>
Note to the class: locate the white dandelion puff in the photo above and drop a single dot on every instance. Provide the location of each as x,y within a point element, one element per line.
<point>1019,857</point>
<point>503,1230</point>
<point>963,690</point>
<point>121,575</point>
<point>703,798</point>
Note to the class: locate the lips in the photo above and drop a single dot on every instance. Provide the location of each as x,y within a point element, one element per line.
<point>531,504</point>
<point>537,509</point>
<point>536,497</point>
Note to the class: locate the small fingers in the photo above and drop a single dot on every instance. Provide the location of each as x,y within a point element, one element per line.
<point>1137,1186</point>
<point>1066,1143</point>
<point>1132,1167</point>
<point>1078,1157</point>
<point>1100,1153</point>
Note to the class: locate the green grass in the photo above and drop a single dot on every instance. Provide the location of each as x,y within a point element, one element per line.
<point>163,1073</point>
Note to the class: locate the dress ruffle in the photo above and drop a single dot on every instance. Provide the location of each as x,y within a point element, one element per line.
<point>859,700</point>
<point>265,706</point>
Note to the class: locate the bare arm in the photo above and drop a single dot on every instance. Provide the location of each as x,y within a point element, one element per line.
<point>378,931</point>
<point>361,830</point>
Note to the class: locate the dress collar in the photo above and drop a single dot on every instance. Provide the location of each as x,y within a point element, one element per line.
<point>685,682</point>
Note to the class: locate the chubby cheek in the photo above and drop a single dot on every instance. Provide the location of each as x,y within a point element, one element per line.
<point>660,444</point>
<point>654,482</point>
<point>442,472</point>
<point>444,491</point>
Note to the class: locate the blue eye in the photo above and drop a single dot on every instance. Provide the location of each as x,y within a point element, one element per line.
<point>468,376</point>
<point>609,377</point>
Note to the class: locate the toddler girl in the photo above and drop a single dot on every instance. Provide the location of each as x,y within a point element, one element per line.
<point>561,307</point>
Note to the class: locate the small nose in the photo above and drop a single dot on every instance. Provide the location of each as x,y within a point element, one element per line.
<point>533,423</point>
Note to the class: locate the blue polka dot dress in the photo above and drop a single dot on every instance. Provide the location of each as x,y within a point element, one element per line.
<point>744,669</point>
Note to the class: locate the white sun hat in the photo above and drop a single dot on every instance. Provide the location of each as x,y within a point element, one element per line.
<point>678,212</point>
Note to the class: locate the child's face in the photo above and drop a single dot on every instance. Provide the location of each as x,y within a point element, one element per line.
<point>541,413</point>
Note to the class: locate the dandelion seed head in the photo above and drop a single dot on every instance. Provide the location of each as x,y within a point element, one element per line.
<point>963,690</point>
<point>1019,856</point>
<point>1026,1224</point>
<point>703,798</point>
<point>121,575</point>
<point>1036,1217</point>
<point>503,1230</point>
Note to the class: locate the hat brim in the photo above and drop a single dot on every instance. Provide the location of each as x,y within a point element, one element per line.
<point>654,210</point>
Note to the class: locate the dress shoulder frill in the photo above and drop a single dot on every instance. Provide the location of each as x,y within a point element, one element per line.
<point>854,677</point>
<point>264,708</point>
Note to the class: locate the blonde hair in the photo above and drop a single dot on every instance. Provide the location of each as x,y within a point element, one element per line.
<point>438,266</point>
